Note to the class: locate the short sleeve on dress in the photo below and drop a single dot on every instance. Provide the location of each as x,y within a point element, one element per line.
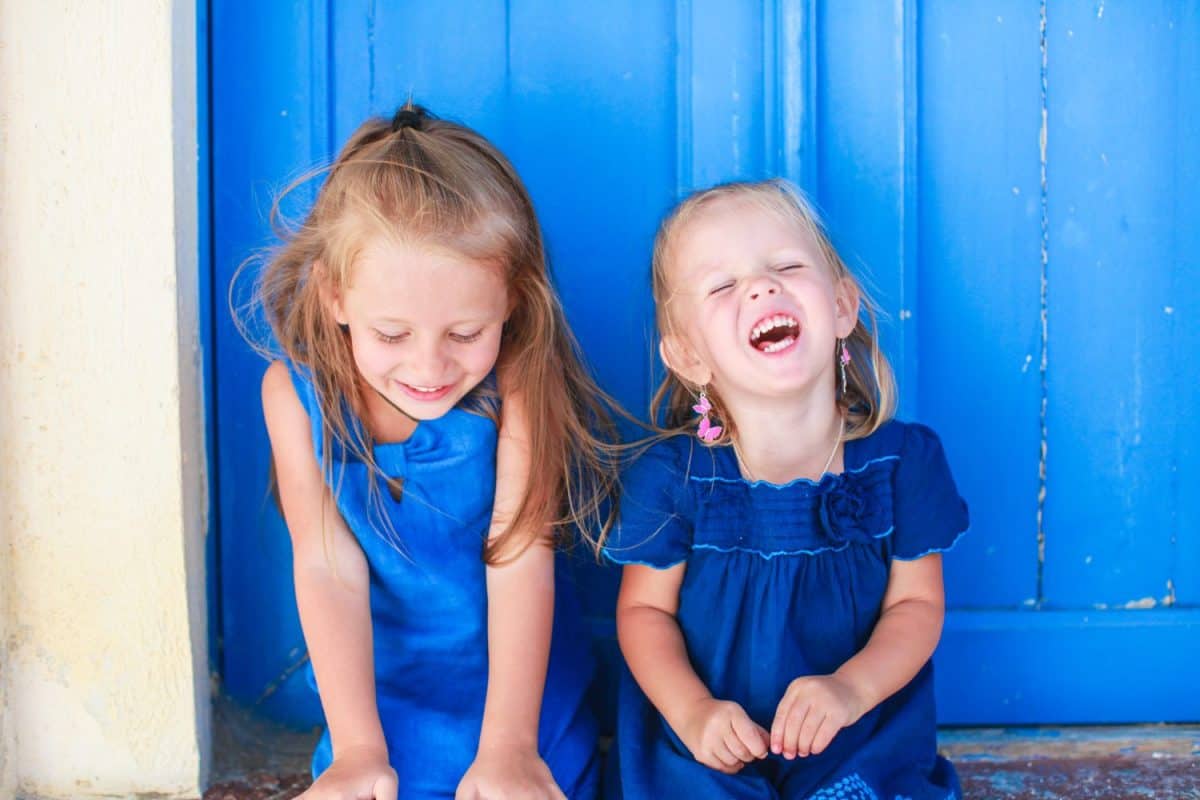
<point>654,526</point>
<point>930,515</point>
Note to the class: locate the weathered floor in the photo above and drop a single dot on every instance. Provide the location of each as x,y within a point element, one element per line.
<point>255,761</point>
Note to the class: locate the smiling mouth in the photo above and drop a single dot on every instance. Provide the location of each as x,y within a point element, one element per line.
<point>775,333</point>
<point>425,392</point>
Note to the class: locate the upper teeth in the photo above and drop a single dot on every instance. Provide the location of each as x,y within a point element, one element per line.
<point>771,323</point>
<point>426,388</point>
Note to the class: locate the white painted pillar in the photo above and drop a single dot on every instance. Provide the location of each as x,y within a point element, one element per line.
<point>103,663</point>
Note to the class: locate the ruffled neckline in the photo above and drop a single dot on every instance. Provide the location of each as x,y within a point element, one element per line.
<point>801,517</point>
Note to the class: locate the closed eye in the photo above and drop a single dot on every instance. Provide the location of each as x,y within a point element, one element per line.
<point>389,339</point>
<point>790,267</point>
<point>722,287</point>
<point>466,338</point>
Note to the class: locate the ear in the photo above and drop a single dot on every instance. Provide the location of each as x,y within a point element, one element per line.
<point>331,298</point>
<point>681,359</point>
<point>847,299</point>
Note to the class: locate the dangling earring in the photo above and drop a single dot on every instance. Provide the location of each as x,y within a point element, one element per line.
<point>707,432</point>
<point>844,359</point>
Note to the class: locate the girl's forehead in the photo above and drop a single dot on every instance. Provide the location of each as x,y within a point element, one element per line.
<point>409,279</point>
<point>740,229</point>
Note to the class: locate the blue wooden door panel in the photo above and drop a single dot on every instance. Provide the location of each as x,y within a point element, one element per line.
<point>978,307</point>
<point>592,139</point>
<point>1067,667</point>
<point>1185,301</point>
<point>268,123</point>
<point>866,160</point>
<point>924,131</point>
<point>1115,385</point>
<point>385,53</point>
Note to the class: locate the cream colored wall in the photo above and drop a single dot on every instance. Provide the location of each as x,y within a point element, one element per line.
<point>103,676</point>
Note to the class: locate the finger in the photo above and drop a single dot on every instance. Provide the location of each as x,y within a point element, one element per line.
<point>752,737</point>
<point>712,762</point>
<point>733,741</point>
<point>777,725</point>
<point>791,728</point>
<point>725,756</point>
<point>386,787</point>
<point>808,731</point>
<point>824,735</point>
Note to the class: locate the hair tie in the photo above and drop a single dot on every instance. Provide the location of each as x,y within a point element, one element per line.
<point>409,117</point>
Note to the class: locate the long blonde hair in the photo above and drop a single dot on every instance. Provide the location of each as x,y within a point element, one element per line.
<point>870,396</point>
<point>438,182</point>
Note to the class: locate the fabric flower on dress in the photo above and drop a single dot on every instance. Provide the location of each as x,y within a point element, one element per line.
<point>850,512</point>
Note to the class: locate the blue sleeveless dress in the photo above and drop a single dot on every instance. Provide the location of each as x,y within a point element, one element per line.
<point>429,609</point>
<point>784,581</point>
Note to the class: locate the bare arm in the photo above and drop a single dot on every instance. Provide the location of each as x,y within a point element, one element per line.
<point>908,630</point>
<point>816,707</point>
<point>718,733</point>
<point>332,594</point>
<point>520,619</point>
<point>652,643</point>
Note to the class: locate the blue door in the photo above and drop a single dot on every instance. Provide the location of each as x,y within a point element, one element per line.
<point>1020,182</point>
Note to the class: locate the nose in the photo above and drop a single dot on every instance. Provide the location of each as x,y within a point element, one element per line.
<point>429,364</point>
<point>764,287</point>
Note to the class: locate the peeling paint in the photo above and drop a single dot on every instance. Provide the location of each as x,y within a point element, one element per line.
<point>1043,138</point>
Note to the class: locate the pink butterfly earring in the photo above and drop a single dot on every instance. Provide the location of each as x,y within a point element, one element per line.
<point>707,432</point>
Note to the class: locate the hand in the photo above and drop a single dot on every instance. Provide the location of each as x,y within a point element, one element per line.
<point>812,711</point>
<point>721,735</point>
<point>508,774</point>
<point>359,773</point>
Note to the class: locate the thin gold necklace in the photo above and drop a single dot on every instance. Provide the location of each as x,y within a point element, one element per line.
<point>737,453</point>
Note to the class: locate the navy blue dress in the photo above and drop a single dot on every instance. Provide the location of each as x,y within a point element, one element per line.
<point>784,581</point>
<point>429,609</point>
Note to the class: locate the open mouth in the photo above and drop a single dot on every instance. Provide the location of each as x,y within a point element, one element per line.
<point>775,333</point>
<point>425,392</point>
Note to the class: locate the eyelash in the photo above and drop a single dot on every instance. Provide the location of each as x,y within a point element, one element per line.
<point>383,337</point>
<point>729,285</point>
<point>460,338</point>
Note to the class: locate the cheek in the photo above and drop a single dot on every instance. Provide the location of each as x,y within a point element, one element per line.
<point>370,356</point>
<point>480,359</point>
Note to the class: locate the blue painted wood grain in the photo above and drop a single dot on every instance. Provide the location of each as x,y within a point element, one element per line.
<point>1067,667</point>
<point>865,153</point>
<point>269,122</point>
<point>916,127</point>
<point>1116,371</point>
<point>1184,341</point>
<point>977,311</point>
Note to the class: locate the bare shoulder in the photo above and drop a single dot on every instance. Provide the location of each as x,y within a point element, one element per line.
<point>277,386</point>
<point>287,421</point>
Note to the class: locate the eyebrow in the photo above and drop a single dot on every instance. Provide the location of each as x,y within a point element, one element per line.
<point>399,321</point>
